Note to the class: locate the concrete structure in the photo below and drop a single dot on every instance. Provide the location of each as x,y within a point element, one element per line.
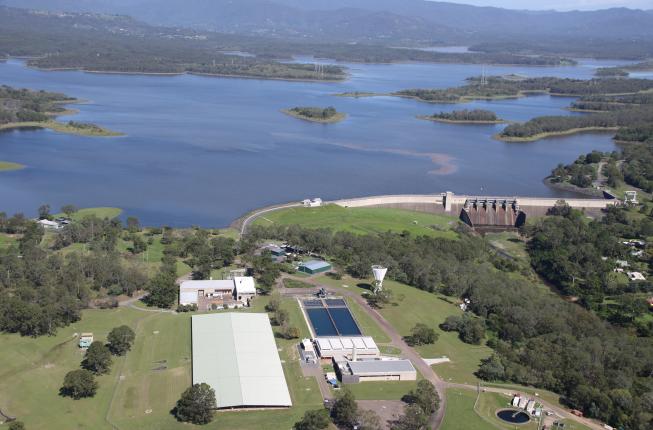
<point>314,266</point>
<point>315,203</point>
<point>309,355</point>
<point>214,294</point>
<point>352,372</point>
<point>478,210</point>
<point>235,353</point>
<point>630,197</point>
<point>344,348</point>
<point>85,340</point>
<point>379,274</point>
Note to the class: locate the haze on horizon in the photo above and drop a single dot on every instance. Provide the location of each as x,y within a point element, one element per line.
<point>561,5</point>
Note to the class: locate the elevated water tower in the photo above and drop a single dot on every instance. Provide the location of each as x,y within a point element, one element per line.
<point>379,273</point>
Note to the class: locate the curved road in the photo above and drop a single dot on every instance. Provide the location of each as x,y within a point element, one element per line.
<point>248,220</point>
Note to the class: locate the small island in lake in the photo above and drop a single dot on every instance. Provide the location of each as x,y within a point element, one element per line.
<point>23,108</point>
<point>6,166</point>
<point>465,116</point>
<point>326,115</point>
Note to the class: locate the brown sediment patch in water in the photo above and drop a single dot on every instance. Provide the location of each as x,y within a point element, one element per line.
<point>444,162</point>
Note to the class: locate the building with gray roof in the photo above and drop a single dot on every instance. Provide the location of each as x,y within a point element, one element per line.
<point>236,354</point>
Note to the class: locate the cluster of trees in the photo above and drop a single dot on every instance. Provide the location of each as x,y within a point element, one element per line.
<point>315,112</point>
<point>556,124</point>
<point>281,318</point>
<point>421,334</point>
<point>23,105</point>
<point>82,383</point>
<point>581,172</point>
<point>539,339</point>
<point>638,163</point>
<point>474,115</point>
<point>509,86</point>
<point>345,413</point>
<point>54,42</point>
<point>578,257</point>
<point>470,330</point>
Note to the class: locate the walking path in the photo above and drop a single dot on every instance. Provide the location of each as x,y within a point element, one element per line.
<point>250,218</point>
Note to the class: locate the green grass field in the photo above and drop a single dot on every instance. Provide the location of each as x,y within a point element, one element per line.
<point>294,283</point>
<point>460,413</point>
<point>142,387</point>
<point>6,166</point>
<point>382,390</point>
<point>413,306</point>
<point>364,220</point>
<point>100,212</point>
<point>367,323</point>
<point>6,240</point>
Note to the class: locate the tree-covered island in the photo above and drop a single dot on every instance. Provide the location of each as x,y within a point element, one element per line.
<point>24,108</point>
<point>465,116</point>
<point>326,115</point>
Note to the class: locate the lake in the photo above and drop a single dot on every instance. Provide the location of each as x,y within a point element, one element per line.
<point>203,151</point>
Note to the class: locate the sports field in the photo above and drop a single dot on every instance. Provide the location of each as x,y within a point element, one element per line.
<point>142,387</point>
<point>364,220</point>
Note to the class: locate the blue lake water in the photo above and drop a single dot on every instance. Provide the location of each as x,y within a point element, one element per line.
<point>203,151</point>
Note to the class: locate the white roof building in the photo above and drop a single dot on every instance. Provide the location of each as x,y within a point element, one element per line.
<point>240,288</point>
<point>244,285</point>
<point>342,348</point>
<point>236,354</point>
<point>636,276</point>
<point>50,225</point>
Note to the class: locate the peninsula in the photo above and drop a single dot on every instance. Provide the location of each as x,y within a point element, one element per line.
<point>465,116</point>
<point>23,108</point>
<point>328,115</point>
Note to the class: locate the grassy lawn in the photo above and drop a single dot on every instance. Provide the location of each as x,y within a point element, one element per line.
<point>417,306</point>
<point>143,386</point>
<point>509,243</point>
<point>294,283</point>
<point>460,413</point>
<point>6,240</point>
<point>367,323</point>
<point>573,425</point>
<point>381,390</point>
<point>364,220</point>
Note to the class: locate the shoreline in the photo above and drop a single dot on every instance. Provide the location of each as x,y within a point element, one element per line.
<point>461,121</point>
<point>215,75</point>
<point>333,120</point>
<point>61,128</point>
<point>540,136</point>
<point>564,186</point>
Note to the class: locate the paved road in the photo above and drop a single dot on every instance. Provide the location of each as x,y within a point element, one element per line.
<point>250,218</point>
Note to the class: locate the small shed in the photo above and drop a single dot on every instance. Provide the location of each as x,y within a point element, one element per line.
<point>85,340</point>
<point>314,266</point>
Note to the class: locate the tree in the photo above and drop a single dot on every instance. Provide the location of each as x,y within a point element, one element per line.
<point>44,212</point>
<point>16,425</point>
<point>78,384</point>
<point>381,298</point>
<point>313,420</point>
<point>413,418</point>
<point>369,420</point>
<point>98,358</point>
<point>491,369</point>
<point>120,339</point>
<point>196,405</point>
<point>69,210</point>
<point>422,334</point>
<point>290,332</point>
<point>133,225</point>
<point>425,396</point>
<point>281,317</point>
<point>162,290</point>
<point>138,244</point>
<point>345,409</point>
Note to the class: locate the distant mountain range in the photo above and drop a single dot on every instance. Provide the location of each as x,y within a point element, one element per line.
<point>383,21</point>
